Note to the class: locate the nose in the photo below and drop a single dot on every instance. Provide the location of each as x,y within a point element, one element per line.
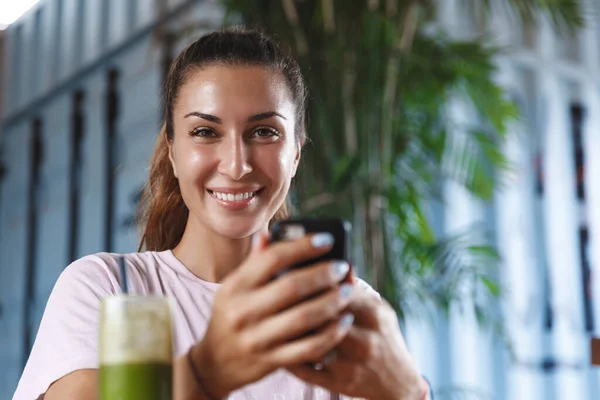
<point>235,157</point>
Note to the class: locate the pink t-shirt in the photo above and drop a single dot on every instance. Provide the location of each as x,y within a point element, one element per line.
<point>67,337</point>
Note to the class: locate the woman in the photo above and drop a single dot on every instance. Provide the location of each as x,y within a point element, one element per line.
<point>220,173</point>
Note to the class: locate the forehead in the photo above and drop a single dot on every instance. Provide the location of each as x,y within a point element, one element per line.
<point>247,89</point>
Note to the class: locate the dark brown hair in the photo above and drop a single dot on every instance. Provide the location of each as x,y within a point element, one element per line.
<point>162,212</point>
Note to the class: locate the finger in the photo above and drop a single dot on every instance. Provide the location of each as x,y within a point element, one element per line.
<point>261,266</point>
<point>359,344</point>
<point>366,308</point>
<point>296,286</point>
<point>302,318</point>
<point>311,348</point>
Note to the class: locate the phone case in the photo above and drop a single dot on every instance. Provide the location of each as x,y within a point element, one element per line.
<point>340,229</point>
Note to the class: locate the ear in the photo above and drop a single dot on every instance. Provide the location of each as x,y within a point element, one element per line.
<point>171,158</point>
<point>297,158</point>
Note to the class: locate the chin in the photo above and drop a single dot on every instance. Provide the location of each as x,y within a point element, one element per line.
<point>237,228</point>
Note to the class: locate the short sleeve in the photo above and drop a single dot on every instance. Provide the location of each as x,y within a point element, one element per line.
<point>67,337</point>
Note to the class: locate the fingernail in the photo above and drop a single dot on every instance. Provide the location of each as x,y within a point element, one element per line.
<point>346,290</point>
<point>339,269</point>
<point>322,239</point>
<point>346,322</point>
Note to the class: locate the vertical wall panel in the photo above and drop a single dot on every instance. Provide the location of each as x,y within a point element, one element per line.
<point>16,97</point>
<point>92,205</point>
<point>523,302</point>
<point>146,12</point>
<point>47,44</point>
<point>592,184</point>
<point>37,47</point>
<point>591,139</point>
<point>26,58</point>
<point>13,248</point>
<point>562,219</point>
<point>138,126</point>
<point>9,70</point>
<point>117,22</point>
<point>91,29</point>
<point>52,211</point>
<point>470,348</point>
<point>56,40</point>
<point>68,34</point>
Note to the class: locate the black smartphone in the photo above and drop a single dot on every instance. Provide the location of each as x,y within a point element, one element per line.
<point>297,228</point>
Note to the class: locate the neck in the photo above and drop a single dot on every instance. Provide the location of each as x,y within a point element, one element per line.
<point>209,256</point>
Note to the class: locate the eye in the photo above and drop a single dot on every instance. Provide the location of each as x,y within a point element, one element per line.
<point>203,133</point>
<point>265,132</point>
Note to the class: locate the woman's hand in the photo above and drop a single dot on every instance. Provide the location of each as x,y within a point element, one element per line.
<point>372,361</point>
<point>259,324</point>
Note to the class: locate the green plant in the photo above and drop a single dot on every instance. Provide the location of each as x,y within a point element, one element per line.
<point>381,143</point>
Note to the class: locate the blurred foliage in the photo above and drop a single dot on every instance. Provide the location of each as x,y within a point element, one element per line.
<point>382,144</point>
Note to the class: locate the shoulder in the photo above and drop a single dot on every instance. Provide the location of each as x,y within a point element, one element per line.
<point>92,274</point>
<point>99,273</point>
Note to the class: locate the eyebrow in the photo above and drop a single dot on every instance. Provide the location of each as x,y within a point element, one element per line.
<point>217,120</point>
<point>265,115</point>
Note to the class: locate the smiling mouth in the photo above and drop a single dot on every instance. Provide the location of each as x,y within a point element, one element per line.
<point>242,197</point>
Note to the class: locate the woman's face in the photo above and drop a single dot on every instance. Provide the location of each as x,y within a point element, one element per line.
<point>234,150</point>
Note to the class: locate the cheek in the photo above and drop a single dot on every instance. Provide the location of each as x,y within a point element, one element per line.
<point>193,163</point>
<point>278,164</point>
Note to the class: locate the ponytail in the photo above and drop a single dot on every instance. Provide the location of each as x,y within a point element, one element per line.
<point>162,214</point>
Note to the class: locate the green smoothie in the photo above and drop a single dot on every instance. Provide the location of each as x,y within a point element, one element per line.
<point>148,381</point>
<point>136,348</point>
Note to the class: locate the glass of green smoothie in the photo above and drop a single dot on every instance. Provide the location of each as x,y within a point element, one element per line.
<point>136,348</point>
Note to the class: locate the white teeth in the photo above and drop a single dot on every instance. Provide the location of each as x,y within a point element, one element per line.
<point>233,197</point>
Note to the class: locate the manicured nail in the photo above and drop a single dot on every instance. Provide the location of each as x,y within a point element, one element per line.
<point>346,290</point>
<point>346,322</point>
<point>339,269</point>
<point>322,239</point>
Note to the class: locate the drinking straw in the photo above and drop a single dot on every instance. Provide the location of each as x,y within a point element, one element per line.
<point>123,274</point>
